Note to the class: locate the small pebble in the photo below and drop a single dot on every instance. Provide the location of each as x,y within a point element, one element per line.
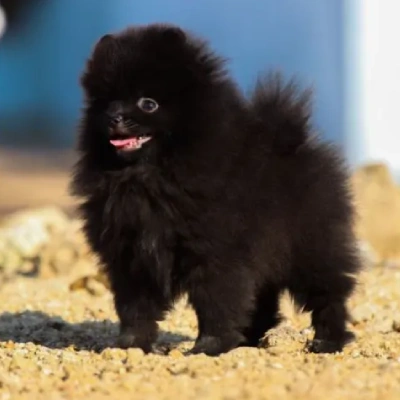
<point>175,353</point>
<point>396,325</point>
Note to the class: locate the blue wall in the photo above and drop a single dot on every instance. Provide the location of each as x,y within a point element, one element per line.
<point>39,68</point>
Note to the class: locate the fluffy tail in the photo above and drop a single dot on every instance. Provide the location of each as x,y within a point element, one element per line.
<point>283,110</point>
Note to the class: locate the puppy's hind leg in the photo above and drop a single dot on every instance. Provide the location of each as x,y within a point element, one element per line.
<point>324,291</point>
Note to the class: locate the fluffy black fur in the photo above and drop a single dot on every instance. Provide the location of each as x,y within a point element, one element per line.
<point>231,201</point>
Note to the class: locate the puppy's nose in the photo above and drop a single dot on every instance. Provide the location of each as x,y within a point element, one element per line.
<point>116,119</point>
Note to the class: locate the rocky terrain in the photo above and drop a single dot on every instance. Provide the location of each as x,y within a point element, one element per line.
<point>58,325</point>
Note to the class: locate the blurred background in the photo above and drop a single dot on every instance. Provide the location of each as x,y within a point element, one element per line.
<point>343,48</point>
<point>346,49</point>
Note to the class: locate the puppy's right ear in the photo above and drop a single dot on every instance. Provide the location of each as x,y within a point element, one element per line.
<point>106,45</point>
<point>100,64</point>
<point>174,35</point>
<point>105,39</point>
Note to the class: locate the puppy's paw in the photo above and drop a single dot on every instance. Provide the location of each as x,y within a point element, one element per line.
<point>329,346</point>
<point>129,340</point>
<point>216,345</point>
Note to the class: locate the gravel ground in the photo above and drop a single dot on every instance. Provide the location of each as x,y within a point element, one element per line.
<point>56,339</point>
<point>57,343</point>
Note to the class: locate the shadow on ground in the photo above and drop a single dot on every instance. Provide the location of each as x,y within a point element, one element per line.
<point>55,333</point>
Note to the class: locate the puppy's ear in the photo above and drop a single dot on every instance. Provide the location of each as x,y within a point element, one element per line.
<point>101,63</point>
<point>106,46</point>
<point>105,39</point>
<point>174,35</point>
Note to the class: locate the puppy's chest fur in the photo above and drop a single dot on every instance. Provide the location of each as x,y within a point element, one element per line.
<point>146,222</point>
<point>138,220</point>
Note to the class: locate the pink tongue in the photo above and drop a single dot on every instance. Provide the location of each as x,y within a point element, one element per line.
<point>124,142</point>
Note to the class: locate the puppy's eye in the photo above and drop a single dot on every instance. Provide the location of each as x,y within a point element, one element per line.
<point>147,105</point>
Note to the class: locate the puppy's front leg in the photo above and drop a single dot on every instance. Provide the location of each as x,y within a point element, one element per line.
<point>223,300</point>
<point>139,303</point>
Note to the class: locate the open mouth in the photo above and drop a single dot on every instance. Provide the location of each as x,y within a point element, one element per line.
<point>130,143</point>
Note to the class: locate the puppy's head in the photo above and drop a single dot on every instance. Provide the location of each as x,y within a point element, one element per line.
<point>147,84</point>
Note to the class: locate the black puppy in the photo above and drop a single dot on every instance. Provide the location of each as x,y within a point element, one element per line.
<point>188,187</point>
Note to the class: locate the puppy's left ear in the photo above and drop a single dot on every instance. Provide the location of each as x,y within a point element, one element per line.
<point>174,35</point>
